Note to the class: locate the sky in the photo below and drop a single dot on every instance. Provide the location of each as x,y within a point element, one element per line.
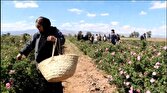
<point>99,16</point>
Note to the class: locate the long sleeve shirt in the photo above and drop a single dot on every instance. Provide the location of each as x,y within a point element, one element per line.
<point>43,48</point>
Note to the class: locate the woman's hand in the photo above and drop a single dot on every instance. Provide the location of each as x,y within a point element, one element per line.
<point>20,56</point>
<point>51,38</point>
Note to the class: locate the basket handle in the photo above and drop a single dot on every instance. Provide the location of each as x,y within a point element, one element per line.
<point>54,46</point>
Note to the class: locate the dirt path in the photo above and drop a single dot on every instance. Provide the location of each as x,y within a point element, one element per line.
<point>87,78</point>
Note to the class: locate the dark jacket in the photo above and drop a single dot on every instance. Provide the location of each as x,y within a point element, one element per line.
<point>113,39</point>
<point>43,48</point>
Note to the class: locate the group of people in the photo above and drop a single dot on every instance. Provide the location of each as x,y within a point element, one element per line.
<point>96,38</point>
<point>113,38</point>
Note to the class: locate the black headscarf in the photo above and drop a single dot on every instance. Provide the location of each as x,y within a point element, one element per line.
<point>45,22</point>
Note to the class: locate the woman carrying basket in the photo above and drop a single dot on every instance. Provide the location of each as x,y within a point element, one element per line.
<point>42,42</point>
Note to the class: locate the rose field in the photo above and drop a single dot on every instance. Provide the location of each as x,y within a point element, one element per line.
<point>134,66</point>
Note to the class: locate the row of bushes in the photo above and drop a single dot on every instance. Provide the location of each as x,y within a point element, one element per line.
<point>135,66</point>
<point>18,76</point>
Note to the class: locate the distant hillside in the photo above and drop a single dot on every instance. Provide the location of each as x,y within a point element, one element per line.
<point>32,31</point>
<point>67,32</point>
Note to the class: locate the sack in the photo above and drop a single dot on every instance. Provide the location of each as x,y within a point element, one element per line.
<point>58,68</point>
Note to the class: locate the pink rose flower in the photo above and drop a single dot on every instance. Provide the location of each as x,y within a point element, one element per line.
<point>127,76</point>
<point>113,53</point>
<point>138,58</point>
<point>130,62</point>
<point>157,64</point>
<point>11,71</point>
<point>165,47</point>
<point>127,83</point>
<point>134,53</point>
<point>148,91</point>
<point>156,67</point>
<point>107,49</point>
<point>154,73</point>
<point>152,80</point>
<point>131,90</point>
<point>159,53</point>
<point>138,91</point>
<point>121,72</point>
<point>8,85</point>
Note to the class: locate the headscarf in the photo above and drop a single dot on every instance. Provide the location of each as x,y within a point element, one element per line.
<point>45,22</point>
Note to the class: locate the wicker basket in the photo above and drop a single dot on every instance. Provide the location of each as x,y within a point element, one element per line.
<point>58,68</point>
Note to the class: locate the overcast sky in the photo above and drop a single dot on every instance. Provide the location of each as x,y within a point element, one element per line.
<point>98,16</point>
